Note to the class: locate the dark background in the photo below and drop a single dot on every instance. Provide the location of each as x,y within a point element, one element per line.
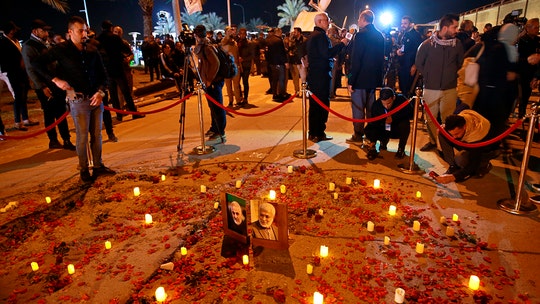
<point>127,13</point>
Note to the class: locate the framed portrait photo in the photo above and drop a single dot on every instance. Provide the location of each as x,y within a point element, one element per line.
<point>234,213</point>
<point>269,227</point>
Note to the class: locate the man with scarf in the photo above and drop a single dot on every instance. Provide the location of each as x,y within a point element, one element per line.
<point>438,59</point>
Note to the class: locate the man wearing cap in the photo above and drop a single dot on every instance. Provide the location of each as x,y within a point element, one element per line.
<point>52,99</point>
<point>394,126</point>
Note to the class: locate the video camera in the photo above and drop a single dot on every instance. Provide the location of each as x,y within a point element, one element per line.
<point>514,17</point>
<point>187,36</point>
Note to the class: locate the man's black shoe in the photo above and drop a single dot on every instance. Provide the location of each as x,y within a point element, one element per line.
<point>372,154</point>
<point>355,139</point>
<point>69,146</point>
<point>317,139</point>
<point>268,92</point>
<point>138,116</point>
<point>428,147</point>
<point>55,144</point>
<point>452,169</point>
<point>103,171</point>
<point>119,117</point>
<point>86,177</point>
<point>483,171</point>
<point>400,154</point>
<point>112,137</point>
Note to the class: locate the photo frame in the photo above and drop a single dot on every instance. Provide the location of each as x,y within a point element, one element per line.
<point>262,234</point>
<point>234,213</point>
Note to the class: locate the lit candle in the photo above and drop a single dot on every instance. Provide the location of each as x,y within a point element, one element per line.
<point>272,195</point>
<point>474,282</point>
<point>107,245</point>
<point>399,297</point>
<point>163,177</point>
<point>416,226</point>
<point>48,200</point>
<point>34,266</point>
<point>386,240</point>
<point>331,186</point>
<point>376,184</point>
<point>136,191</point>
<point>321,212</point>
<point>455,217</point>
<point>392,210</point>
<point>418,194</point>
<point>148,218</point>
<point>238,184</point>
<point>442,220</point>
<point>419,248</point>
<point>183,251</point>
<point>324,251</point>
<point>309,269</point>
<point>71,269</point>
<point>282,189</point>
<point>290,169</point>
<point>336,195</point>
<point>318,298</point>
<point>216,205</point>
<point>348,180</point>
<point>245,259</point>
<point>449,231</point>
<point>370,226</point>
<point>203,189</point>
<point>161,295</point>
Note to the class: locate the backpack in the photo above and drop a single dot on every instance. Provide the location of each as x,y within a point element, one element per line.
<point>227,67</point>
<point>467,82</point>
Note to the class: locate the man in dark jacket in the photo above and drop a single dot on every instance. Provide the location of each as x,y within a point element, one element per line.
<point>366,71</point>
<point>246,54</point>
<point>320,56</point>
<point>278,63</point>
<point>410,40</point>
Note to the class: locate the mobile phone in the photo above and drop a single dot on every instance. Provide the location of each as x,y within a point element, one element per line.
<point>348,36</point>
<point>433,174</point>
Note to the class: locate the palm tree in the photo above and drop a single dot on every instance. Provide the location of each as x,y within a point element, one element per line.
<point>147,7</point>
<point>59,5</point>
<point>213,22</point>
<point>289,10</point>
<point>193,19</point>
<point>253,24</point>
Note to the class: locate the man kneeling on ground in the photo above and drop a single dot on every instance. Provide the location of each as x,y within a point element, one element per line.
<point>396,125</point>
<point>468,126</point>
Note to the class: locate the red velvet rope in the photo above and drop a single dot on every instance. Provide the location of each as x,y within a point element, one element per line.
<point>149,112</point>
<point>372,119</point>
<point>59,120</point>
<point>471,145</point>
<point>249,114</point>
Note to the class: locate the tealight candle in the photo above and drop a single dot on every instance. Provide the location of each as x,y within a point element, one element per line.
<point>161,295</point>
<point>282,189</point>
<point>107,245</point>
<point>245,259</point>
<point>455,217</point>
<point>321,212</point>
<point>318,298</point>
<point>183,251</point>
<point>272,195</point>
<point>34,266</point>
<point>399,297</point>
<point>449,231</point>
<point>418,194</point>
<point>290,169</point>
<point>419,248</point>
<point>348,180</point>
<point>442,220</point>
<point>48,200</point>
<point>392,210</point>
<point>203,189</point>
<point>136,191</point>
<point>216,205</point>
<point>309,269</point>
<point>370,226</point>
<point>148,218</point>
<point>238,184</point>
<point>386,240</point>
<point>336,195</point>
<point>163,177</point>
<point>324,251</point>
<point>474,282</point>
<point>331,186</point>
<point>376,184</point>
<point>416,226</point>
<point>71,269</point>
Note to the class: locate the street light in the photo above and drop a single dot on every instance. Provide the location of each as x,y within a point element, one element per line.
<point>243,12</point>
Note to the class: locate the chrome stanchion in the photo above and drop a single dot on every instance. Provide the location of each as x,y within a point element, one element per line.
<point>514,206</point>
<point>305,152</point>
<point>413,168</point>
<point>203,148</point>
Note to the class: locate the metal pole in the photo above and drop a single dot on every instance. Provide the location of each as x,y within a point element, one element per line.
<point>508,204</point>
<point>203,148</point>
<point>305,152</point>
<point>229,12</point>
<point>413,168</point>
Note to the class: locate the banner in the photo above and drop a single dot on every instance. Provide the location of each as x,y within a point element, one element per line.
<point>193,6</point>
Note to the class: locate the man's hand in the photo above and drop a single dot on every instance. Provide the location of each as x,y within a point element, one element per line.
<point>47,93</point>
<point>62,84</point>
<point>96,99</point>
<point>350,89</point>
<point>445,178</point>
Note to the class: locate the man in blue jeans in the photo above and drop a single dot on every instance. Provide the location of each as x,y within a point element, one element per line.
<point>80,72</point>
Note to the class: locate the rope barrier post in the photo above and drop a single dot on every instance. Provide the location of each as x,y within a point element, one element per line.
<point>514,206</point>
<point>89,155</point>
<point>203,148</point>
<point>304,153</point>
<point>413,168</point>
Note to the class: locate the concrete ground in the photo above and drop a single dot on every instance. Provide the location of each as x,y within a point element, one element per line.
<point>150,144</point>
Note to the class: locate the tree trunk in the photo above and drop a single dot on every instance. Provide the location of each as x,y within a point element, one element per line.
<point>147,7</point>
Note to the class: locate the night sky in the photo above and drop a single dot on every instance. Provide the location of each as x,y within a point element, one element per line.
<point>127,12</point>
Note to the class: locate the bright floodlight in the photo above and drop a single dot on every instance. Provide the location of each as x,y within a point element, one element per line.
<point>386,18</point>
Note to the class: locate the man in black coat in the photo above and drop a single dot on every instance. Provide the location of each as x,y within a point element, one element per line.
<point>278,63</point>
<point>410,40</point>
<point>320,55</point>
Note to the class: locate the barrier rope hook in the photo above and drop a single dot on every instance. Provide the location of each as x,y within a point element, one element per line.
<point>304,153</point>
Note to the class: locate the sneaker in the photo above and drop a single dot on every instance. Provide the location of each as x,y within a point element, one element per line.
<point>400,154</point>
<point>19,126</point>
<point>28,123</point>
<point>209,133</point>
<point>355,139</point>
<point>219,138</point>
<point>138,116</point>
<point>68,145</point>
<point>86,177</point>
<point>428,147</point>
<point>103,171</point>
<point>55,144</point>
<point>112,137</point>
